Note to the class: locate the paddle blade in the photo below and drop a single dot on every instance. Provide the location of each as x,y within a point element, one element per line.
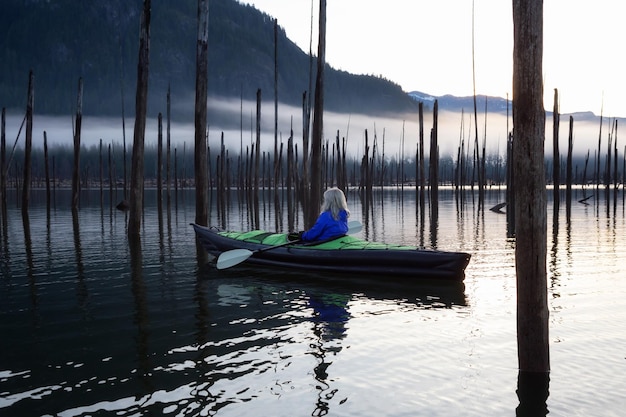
<point>354,226</point>
<point>232,258</point>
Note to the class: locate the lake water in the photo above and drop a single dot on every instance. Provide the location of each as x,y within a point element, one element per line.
<point>89,327</point>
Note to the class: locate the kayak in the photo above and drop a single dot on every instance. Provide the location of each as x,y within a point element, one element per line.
<point>345,254</point>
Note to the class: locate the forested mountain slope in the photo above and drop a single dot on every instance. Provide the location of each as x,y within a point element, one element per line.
<point>62,40</point>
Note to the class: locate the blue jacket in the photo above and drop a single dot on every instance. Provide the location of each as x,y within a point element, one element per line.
<point>326,227</point>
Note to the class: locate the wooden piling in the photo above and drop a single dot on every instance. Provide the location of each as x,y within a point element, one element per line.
<point>615,173</point>
<point>290,183</point>
<point>315,193</point>
<point>141,104</point>
<point>422,173</point>
<point>3,161</point>
<point>276,158</point>
<point>556,166</point>
<point>159,166</point>
<point>530,195</point>
<point>257,156</point>
<point>200,118</point>
<point>168,178</point>
<point>568,179</point>
<point>123,119</point>
<point>77,133</point>
<point>28,144</point>
<point>101,169</point>
<point>110,156</point>
<point>434,163</point>
<point>46,169</point>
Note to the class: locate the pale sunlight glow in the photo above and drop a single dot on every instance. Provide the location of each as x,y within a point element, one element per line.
<point>427,45</point>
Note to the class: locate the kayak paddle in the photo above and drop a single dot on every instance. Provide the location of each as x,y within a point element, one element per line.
<point>237,256</point>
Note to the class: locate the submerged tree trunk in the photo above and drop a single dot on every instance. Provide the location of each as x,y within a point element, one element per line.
<point>46,169</point>
<point>3,157</point>
<point>141,104</point>
<point>318,122</point>
<point>276,158</point>
<point>200,153</point>
<point>556,162</point>
<point>29,144</point>
<point>101,169</point>
<point>257,162</point>
<point>530,198</point>
<point>168,155</point>
<point>433,177</point>
<point>159,167</point>
<point>569,174</point>
<point>422,170</point>
<point>123,119</point>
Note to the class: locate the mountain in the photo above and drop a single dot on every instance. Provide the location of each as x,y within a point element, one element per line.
<point>64,40</point>
<point>454,103</point>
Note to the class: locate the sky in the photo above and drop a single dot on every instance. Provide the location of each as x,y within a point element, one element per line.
<point>426,45</point>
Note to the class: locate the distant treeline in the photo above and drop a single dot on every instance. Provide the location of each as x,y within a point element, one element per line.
<point>98,162</point>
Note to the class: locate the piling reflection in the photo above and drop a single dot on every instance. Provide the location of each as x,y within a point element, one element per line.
<point>141,313</point>
<point>532,392</point>
<point>4,231</point>
<point>81,287</point>
<point>554,254</point>
<point>30,267</point>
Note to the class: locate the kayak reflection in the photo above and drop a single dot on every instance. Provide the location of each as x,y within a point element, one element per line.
<point>287,315</point>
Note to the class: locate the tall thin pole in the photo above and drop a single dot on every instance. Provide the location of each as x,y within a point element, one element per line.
<point>200,154</point>
<point>530,194</point>
<point>141,104</point>
<point>123,119</point>
<point>3,157</point>
<point>556,163</point>
<point>318,122</point>
<point>29,143</point>
<point>168,155</point>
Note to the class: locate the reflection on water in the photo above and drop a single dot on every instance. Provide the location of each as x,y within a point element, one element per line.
<point>532,391</point>
<point>94,324</point>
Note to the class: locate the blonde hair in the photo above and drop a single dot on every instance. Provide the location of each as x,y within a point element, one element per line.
<point>335,201</point>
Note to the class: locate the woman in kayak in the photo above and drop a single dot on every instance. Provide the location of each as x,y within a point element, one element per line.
<point>332,221</point>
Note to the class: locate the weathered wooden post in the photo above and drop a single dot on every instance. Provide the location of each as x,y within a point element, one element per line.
<point>3,158</point>
<point>556,162</point>
<point>276,158</point>
<point>290,180</point>
<point>422,171</point>
<point>123,120</point>
<point>77,132</point>
<point>615,173</point>
<point>200,152</point>
<point>568,180</point>
<point>29,144</point>
<point>176,177</point>
<point>110,159</point>
<point>47,169</point>
<point>530,190</point>
<point>101,168</point>
<point>302,187</point>
<point>159,167</point>
<point>141,104</point>
<point>168,152</point>
<point>434,164</point>
<point>257,162</point>
<point>318,122</point>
